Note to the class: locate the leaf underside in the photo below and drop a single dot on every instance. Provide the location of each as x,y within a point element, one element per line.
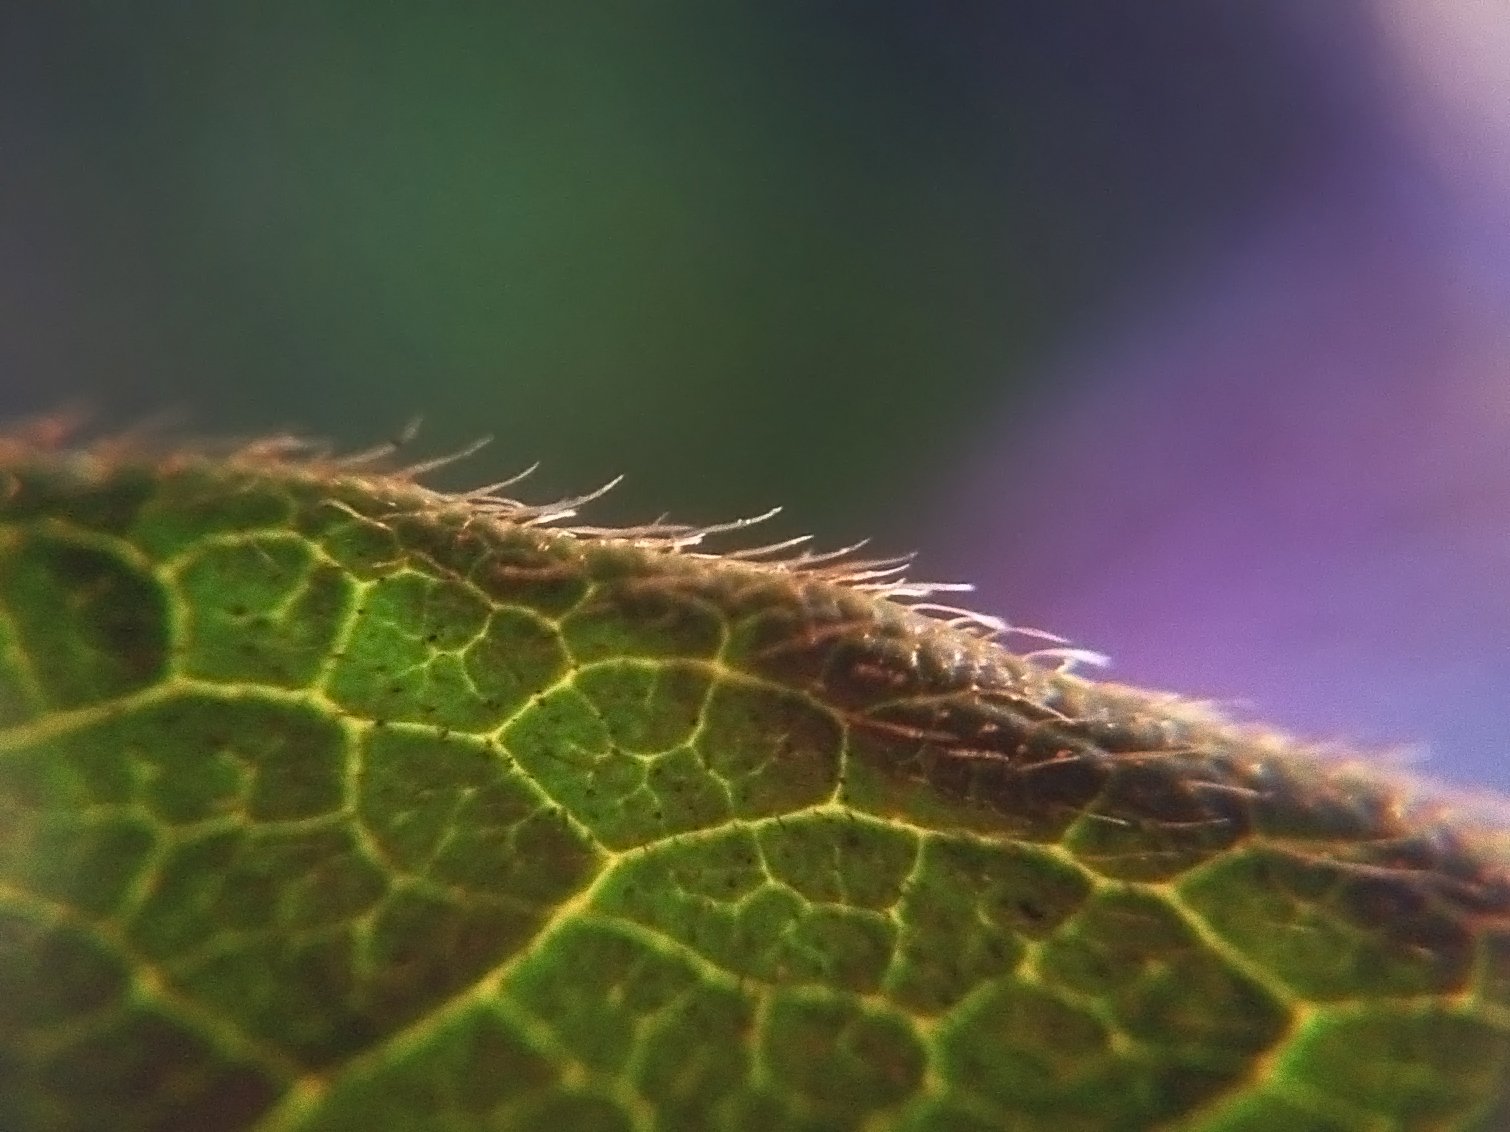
<point>330,802</point>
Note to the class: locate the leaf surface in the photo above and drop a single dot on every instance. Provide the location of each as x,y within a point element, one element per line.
<point>331,802</point>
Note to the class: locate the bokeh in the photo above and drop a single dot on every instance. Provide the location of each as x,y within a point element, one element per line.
<point>1180,329</point>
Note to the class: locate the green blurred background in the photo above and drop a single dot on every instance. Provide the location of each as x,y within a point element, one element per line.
<point>745,253</point>
<point>1178,326</point>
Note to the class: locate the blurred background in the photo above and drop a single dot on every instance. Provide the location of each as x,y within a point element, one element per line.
<point>1181,329</point>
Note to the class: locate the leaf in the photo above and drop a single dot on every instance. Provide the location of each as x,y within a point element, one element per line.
<point>328,802</point>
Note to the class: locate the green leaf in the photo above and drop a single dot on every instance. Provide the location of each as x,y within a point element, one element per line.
<point>328,802</point>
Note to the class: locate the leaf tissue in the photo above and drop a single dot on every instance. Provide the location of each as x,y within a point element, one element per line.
<point>332,802</point>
